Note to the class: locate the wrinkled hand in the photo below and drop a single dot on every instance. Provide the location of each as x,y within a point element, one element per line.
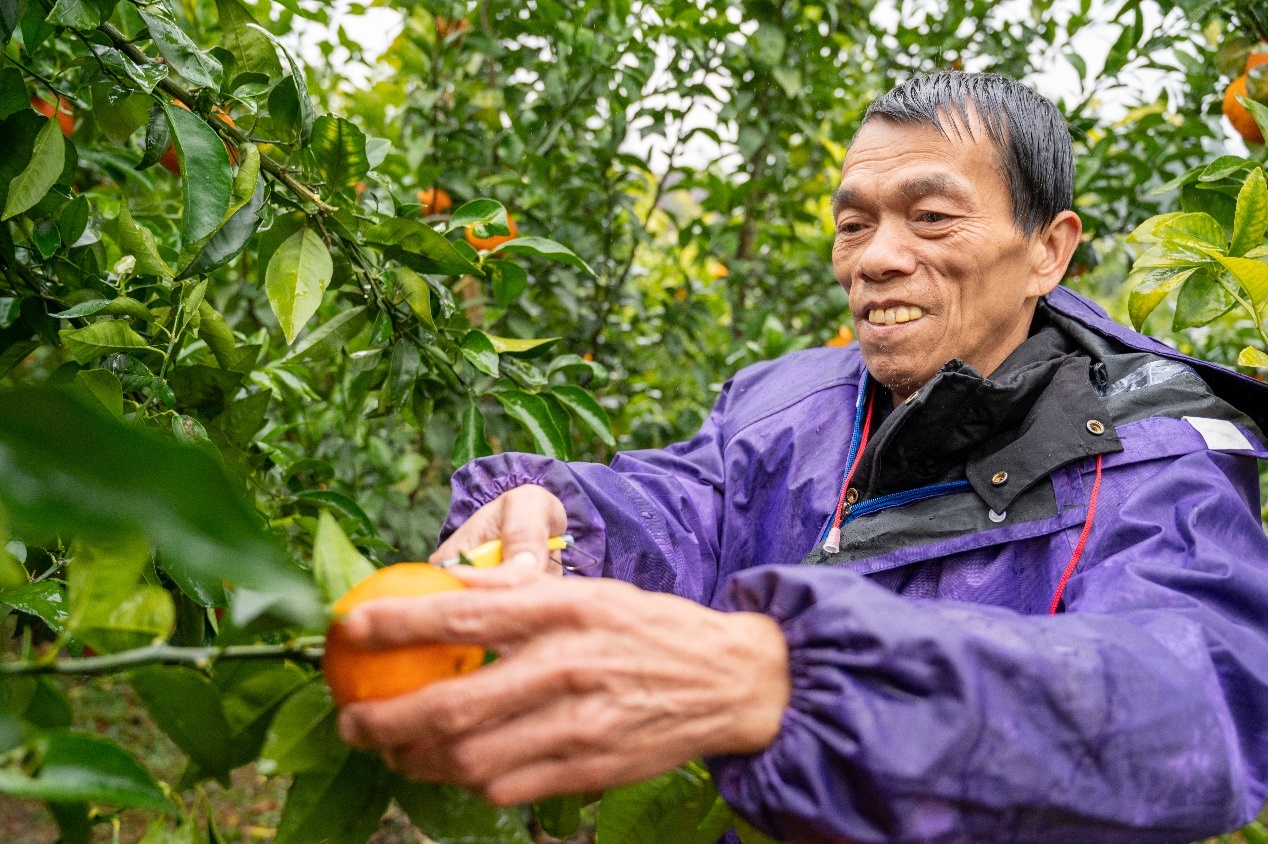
<point>597,684</point>
<point>524,518</point>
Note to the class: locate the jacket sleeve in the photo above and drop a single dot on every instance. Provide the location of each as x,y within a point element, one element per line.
<point>653,517</point>
<point>1139,715</point>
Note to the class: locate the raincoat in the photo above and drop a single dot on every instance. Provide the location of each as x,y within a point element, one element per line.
<point>934,695</point>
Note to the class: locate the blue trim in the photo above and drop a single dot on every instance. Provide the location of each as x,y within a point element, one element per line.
<point>859,402</point>
<point>898,499</point>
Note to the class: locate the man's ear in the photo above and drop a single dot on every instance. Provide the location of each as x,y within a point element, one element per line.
<point>1051,252</point>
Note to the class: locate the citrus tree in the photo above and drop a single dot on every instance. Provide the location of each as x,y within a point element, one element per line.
<point>253,313</point>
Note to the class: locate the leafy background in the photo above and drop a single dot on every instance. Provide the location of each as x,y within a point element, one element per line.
<point>254,310</point>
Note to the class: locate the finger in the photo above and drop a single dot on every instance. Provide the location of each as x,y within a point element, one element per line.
<point>443,711</point>
<point>549,778</point>
<point>530,516</point>
<point>512,574</point>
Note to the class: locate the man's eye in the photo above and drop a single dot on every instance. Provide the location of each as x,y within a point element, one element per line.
<point>849,228</point>
<point>932,217</point>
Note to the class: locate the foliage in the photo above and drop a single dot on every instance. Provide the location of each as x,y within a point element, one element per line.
<point>241,358</point>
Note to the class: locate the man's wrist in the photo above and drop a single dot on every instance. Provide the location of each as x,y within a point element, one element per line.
<point>758,648</point>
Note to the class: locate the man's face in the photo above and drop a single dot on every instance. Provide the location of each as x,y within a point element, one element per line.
<point>927,249</point>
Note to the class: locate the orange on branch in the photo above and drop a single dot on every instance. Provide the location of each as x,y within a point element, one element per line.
<point>356,674</point>
<point>844,337</point>
<point>64,110</point>
<point>1255,60</point>
<point>445,26</point>
<point>493,242</point>
<point>434,201</point>
<point>1238,114</point>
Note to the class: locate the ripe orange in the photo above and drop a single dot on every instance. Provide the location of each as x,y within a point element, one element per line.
<point>490,244</point>
<point>844,337</point>
<point>717,269</point>
<point>65,112</point>
<point>1255,60</point>
<point>434,201</point>
<point>355,674</point>
<point>1238,114</point>
<point>444,26</point>
<point>171,163</point>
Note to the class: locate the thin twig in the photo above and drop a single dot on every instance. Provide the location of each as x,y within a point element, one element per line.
<point>302,650</point>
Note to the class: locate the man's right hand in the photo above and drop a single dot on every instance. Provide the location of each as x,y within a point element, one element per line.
<point>524,518</point>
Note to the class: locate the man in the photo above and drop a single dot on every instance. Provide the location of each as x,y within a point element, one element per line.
<point>1033,610</point>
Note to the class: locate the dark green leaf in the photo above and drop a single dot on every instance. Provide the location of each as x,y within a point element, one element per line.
<point>1201,299</point>
<point>486,212</point>
<point>101,338</point>
<point>158,137</point>
<point>471,442</point>
<point>451,815</point>
<point>533,415</point>
<point>417,293</point>
<point>252,51</point>
<point>668,808</point>
<point>336,807</point>
<point>561,816</point>
<point>13,93</point>
<point>75,767</point>
<point>542,247</point>
<point>478,348</point>
<point>419,246</point>
<point>76,14</point>
<point>232,237</point>
<point>509,281</point>
<point>44,600</point>
<point>60,472</point>
<point>328,338</point>
<point>206,177</point>
<point>1222,167</point>
<point>48,157</point>
<point>304,736</point>
<point>216,333</point>
<point>103,386</point>
<point>304,105</point>
<point>120,306</point>
<point>186,706</point>
<point>587,411</point>
<point>73,219</point>
<point>72,822</point>
<point>182,54</point>
<point>337,151</point>
<point>297,277</point>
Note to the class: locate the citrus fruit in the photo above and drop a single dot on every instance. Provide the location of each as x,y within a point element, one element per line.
<point>65,112</point>
<point>1255,60</point>
<point>434,201</point>
<point>355,673</point>
<point>445,26</point>
<point>844,337</point>
<point>493,242</point>
<point>1238,114</point>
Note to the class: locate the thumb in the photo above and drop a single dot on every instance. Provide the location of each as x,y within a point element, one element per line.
<point>530,516</point>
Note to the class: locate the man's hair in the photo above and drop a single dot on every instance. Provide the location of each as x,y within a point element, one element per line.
<point>1029,134</point>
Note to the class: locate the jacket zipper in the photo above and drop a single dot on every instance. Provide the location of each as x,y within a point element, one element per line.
<point>898,499</point>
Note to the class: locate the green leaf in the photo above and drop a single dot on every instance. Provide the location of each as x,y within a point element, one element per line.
<point>1201,299</point>
<point>667,808</point>
<point>328,338</point>
<point>251,51</point>
<point>304,104</point>
<point>471,442</point>
<point>1252,275</point>
<point>749,834</point>
<point>228,241</point>
<point>304,735</point>
<point>337,564</point>
<point>182,54</point>
<point>509,281</point>
<point>146,76</point>
<point>158,137</point>
<point>478,348</point>
<point>419,246</point>
<point>73,823</point>
<point>76,14</point>
<point>1149,293</point>
<point>521,348</point>
<point>1197,230</point>
<point>1258,111</point>
<point>1250,356</point>
<point>297,277</point>
<point>533,415</point>
<point>101,338</point>
<point>587,411</point>
<point>73,767</point>
<point>13,93</point>
<point>103,386</point>
<point>69,468</point>
<point>1222,167</point>
<point>481,212</point>
<point>1252,214</point>
<point>110,608</point>
<point>48,158</point>
<point>138,241</point>
<point>121,306</point>
<point>44,600</point>
<point>449,814</point>
<point>336,807</point>
<point>216,333</point>
<point>417,293</point>
<point>541,247</point>
<point>73,219</point>
<point>204,166</point>
<point>186,706</point>
<point>561,816</point>
<point>337,151</point>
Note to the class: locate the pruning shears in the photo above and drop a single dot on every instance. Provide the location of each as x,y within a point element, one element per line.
<point>490,554</point>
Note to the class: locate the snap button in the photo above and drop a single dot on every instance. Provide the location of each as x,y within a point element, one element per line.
<point>1095,427</point>
<point>852,496</point>
<point>999,478</point>
<point>997,517</point>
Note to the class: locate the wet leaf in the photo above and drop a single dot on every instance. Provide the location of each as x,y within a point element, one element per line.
<point>419,246</point>
<point>297,277</point>
<point>101,338</point>
<point>48,157</point>
<point>182,54</point>
<point>337,151</point>
<point>205,174</point>
<point>587,411</point>
<point>78,767</point>
<point>533,415</point>
<point>478,349</point>
<point>541,247</point>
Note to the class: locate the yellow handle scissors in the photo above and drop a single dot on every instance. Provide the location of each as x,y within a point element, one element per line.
<point>490,553</point>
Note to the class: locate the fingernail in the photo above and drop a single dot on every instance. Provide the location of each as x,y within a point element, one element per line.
<point>348,729</point>
<point>525,559</point>
<point>356,625</point>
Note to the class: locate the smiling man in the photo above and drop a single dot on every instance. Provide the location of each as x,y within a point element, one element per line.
<point>995,573</point>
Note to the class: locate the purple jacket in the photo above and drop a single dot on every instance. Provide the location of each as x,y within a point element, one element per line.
<point>933,697</point>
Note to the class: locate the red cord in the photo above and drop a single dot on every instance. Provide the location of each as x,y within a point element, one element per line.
<point>845,487</point>
<point>1078,548</point>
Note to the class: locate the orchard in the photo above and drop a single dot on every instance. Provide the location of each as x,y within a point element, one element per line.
<point>263,287</point>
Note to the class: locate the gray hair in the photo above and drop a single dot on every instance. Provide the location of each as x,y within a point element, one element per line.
<point>1030,135</point>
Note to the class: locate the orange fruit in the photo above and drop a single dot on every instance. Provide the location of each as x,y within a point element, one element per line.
<point>171,163</point>
<point>434,201</point>
<point>65,112</point>
<point>1255,60</point>
<point>717,269</point>
<point>844,337</point>
<point>1238,114</point>
<point>355,674</point>
<point>489,244</point>
<point>444,26</point>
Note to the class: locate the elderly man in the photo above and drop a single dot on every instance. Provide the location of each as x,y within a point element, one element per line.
<point>995,573</point>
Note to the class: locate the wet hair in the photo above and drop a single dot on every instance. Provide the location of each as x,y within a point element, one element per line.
<point>1029,134</point>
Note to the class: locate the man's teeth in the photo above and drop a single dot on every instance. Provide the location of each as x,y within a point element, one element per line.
<point>895,315</point>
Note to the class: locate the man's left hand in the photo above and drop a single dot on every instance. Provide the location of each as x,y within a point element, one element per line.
<point>597,684</point>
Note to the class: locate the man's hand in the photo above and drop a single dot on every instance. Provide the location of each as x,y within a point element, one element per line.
<point>523,518</point>
<point>597,684</point>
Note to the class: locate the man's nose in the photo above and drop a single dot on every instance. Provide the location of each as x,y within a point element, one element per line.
<point>888,253</point>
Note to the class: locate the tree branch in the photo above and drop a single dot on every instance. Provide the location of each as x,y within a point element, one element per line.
<point>301,650</point>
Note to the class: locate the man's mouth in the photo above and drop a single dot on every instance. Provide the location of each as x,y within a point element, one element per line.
<point>895,315</point>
